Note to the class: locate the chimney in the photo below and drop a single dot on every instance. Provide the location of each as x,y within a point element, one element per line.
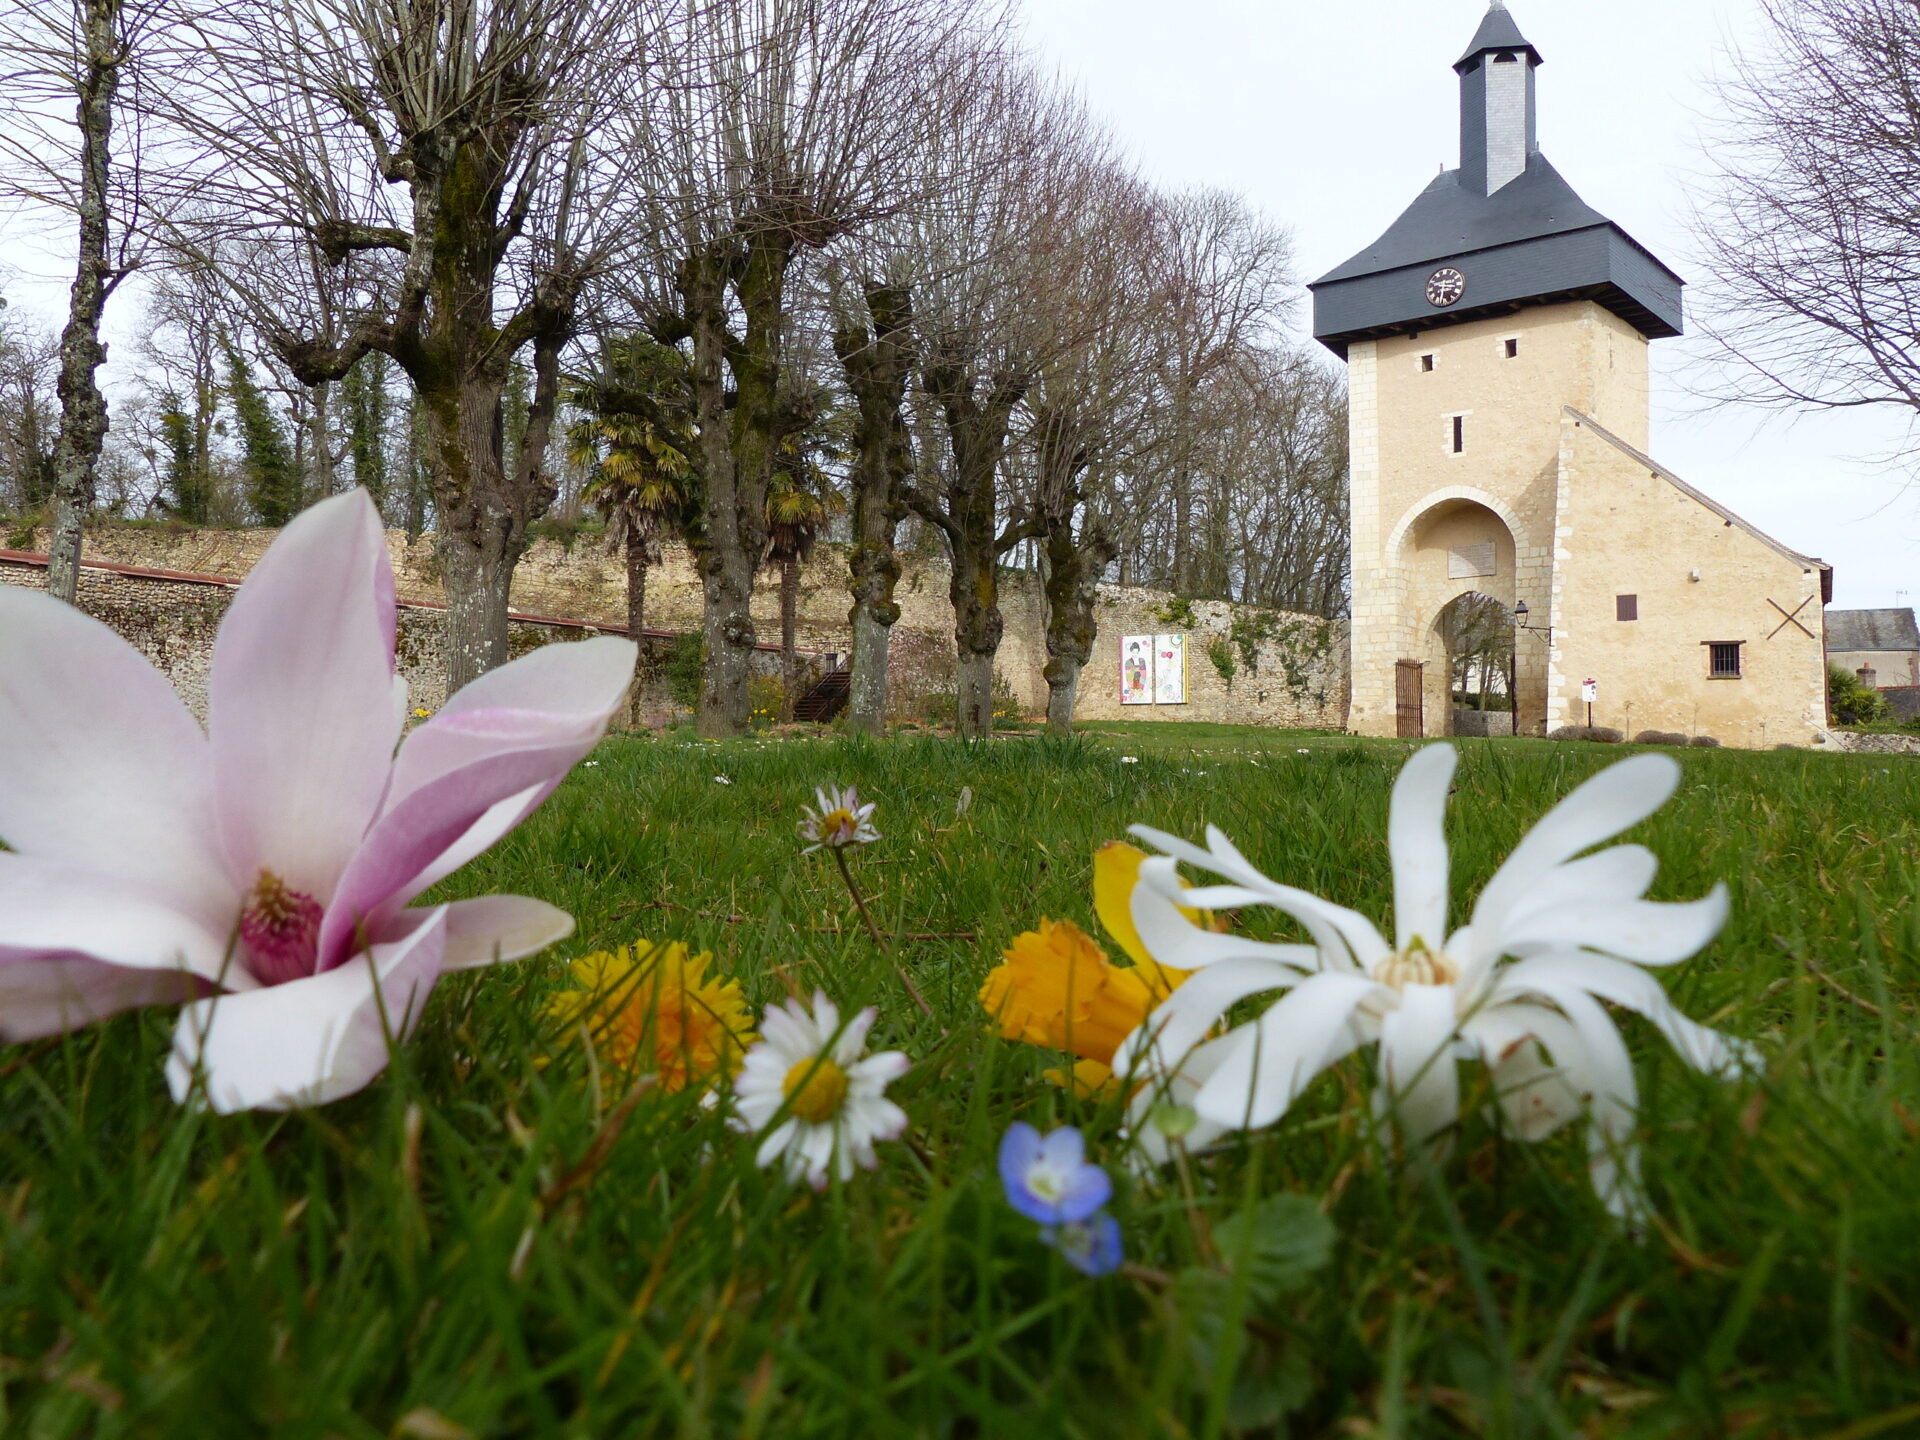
<point>1498,131</point>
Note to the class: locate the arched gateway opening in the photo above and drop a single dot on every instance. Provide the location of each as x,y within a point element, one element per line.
<point>1474,635</point>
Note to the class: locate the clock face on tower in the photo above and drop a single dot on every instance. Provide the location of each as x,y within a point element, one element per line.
<point>1445,287</point>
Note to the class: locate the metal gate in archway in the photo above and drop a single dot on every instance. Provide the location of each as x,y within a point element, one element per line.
<point>1409,698</point>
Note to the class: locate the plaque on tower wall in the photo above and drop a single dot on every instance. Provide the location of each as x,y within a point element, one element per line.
<point>1136,669</point>
<point>1169,669</point>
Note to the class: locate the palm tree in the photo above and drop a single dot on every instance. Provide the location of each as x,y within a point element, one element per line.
<point>634,435</point>
<point>800,498</point>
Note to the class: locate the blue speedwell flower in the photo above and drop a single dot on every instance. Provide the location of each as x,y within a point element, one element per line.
<point>1048,1179</point>
<point>1092,1246</point>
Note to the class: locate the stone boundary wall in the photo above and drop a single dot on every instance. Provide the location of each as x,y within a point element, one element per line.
<point>1854,742</point>
<point>1291,671</point>
<point>172,617</point>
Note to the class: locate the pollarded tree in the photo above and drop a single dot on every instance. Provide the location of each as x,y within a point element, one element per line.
<point>453,164</point>
<point>777,127</point>
<point>54,53</point>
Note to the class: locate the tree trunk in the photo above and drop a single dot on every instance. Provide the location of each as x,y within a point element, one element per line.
<point>789,622</point>
<point>325,481</point>
<point>1063,689</point>
<point>83,409</point>
<point>977,629</point>
<point>638,559</point>
<point>878,365</point>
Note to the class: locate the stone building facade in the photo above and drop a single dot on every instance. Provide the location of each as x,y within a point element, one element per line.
<point>1497,339</point>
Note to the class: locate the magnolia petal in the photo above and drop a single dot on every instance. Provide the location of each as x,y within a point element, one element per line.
<point>1647,932</point>
<point>308,1042</point>
<point>498,928</point>
<point>1175,941</point>
<point>1617,798</point>
<point>557,696</point>
<point>1419,1080</point>
<point>53,911</point>
<point>1558,978</point>
<point>101,767</point>
<point>300,698</point>
<point>1620,872</point>
<point>1613,1157</point>
<point>1416,835</point>
<point>42,996</point>
<point>1346,938</point>
<point>1276,1057</point>
<point>1182,1020</point>
<point>1537,1066</point>
<point>403,854</point>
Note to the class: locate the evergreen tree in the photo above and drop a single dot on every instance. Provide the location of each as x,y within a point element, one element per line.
<point>187,491</point>
<point>273,484</point>
<point>366,395</point>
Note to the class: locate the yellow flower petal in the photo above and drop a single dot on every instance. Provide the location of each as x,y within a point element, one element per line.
<point>652,1007</point>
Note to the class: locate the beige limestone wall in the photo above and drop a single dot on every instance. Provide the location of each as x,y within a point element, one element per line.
<point>1297,677</point>
<point>1627,530</point>
<point>1503,484</point>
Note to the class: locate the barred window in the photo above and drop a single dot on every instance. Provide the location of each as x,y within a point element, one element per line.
<point>1723,659</point>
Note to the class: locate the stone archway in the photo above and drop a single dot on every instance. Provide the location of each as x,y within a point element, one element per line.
<point>1455,546</point>
<point>1470,644</point>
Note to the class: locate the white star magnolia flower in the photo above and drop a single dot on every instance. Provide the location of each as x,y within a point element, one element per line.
<point>1518,988</point>
<point>840,821</point>
<point>806,1071</point>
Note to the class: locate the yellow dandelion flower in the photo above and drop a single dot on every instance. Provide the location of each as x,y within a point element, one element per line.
<point>653,1007</point>
<point>1057,988</point>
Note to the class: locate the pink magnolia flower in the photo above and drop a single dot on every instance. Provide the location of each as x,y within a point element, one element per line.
<point>261,870</point>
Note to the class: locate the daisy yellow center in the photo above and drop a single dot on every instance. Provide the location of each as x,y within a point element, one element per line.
<point>1416,965</point>
<point>838,822</point>
<point>816,1088</point>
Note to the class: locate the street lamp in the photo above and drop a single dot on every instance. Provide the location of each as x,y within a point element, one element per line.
<point>1520,622</point>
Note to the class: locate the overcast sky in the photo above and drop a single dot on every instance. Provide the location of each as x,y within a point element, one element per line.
<point>1333,116</point>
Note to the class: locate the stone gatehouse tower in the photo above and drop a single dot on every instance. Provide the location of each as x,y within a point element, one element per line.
<point>1497,343</point>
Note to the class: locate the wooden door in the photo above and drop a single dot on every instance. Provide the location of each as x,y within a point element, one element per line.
<point>1409,693</point>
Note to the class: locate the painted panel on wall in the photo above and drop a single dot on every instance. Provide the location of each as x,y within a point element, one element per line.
<point>1169,669</point>
<point>1136,669</point>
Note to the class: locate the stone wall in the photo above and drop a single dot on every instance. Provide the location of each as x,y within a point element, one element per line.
<point>1286,670</point>
<point>1855,742</point>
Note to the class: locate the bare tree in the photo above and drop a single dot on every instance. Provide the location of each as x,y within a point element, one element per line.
<point>1811,234</point>
<point>449,165</point>
<point>29,413</point>
<point>54,52</point>
<point>779,126</point>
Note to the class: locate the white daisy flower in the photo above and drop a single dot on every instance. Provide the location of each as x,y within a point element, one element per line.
<point>806,1073</point>
<point>1518,988</point>
<point>841,820</point>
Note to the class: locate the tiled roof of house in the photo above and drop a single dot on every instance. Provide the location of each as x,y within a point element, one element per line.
<point>1857,630</point>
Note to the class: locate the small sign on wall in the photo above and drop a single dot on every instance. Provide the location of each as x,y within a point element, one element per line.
<point>1153,669</point>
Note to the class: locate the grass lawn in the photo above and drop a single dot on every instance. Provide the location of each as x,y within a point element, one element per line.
<point>481,1244</point>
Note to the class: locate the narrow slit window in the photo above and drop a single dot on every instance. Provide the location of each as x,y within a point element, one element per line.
<point>1723,659</point>
<point>1513,349</point>
<point>1626,607</point>
<point>1459,434</point>
<point>1426,362</point>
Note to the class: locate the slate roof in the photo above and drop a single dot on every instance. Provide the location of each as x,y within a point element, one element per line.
<point>1497,32</point>
<point>1858,630</point>
<point>1449,220</point>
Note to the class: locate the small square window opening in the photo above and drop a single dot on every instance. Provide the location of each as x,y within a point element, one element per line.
<point>1459,434</point>
<point>1723,659</point>
<point>1513,349</point>
<point>1626,607</point>
<point>1426,362</point>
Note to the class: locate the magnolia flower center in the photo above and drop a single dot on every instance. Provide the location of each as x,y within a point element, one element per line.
<point>280,927</point>
<point>1416,965</point>
<point>815,1088</point>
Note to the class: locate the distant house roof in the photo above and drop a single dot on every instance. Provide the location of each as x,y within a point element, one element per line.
<point>1654,467</point>
<point>1857,630</point>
